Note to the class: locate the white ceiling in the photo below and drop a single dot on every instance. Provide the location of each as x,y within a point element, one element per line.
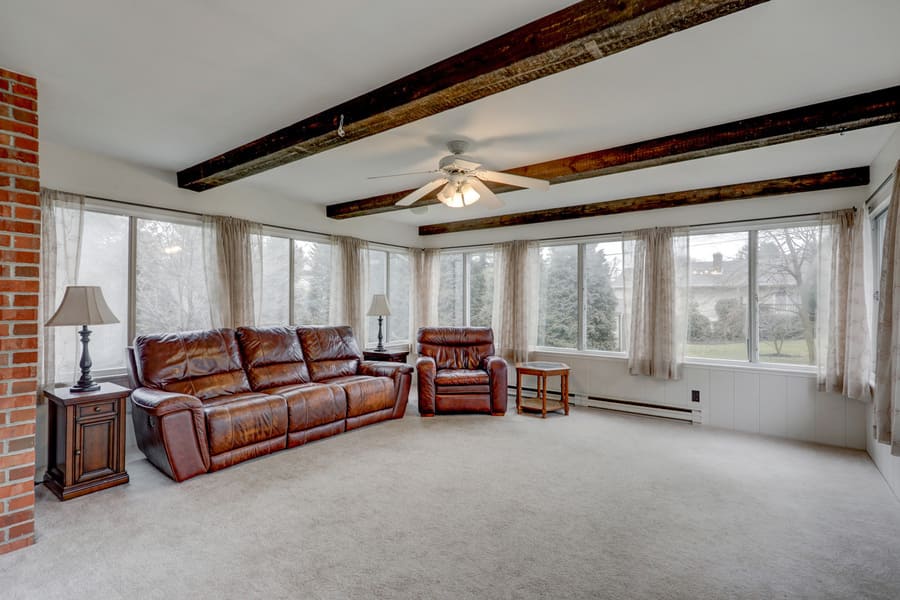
<point>172,82</point>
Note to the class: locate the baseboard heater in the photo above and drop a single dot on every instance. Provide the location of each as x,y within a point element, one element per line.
<point>689,415</point>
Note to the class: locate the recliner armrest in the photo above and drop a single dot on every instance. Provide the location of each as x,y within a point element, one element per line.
<point>383,368</point>
<point>496,368</point>
<point>159,403</point>
<point>426,369</point>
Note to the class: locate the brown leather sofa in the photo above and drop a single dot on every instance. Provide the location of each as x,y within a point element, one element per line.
<point>458,372</point>
<point>205,400</point>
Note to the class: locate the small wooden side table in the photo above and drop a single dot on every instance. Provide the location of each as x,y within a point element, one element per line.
<point>388,355</point>
<point>86,450</point>
<point>542,370</point>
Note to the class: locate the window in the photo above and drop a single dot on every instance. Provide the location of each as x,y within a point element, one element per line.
<point>480,278</point>
<point>451,292</point>
<point>312,282</point>
<point>171,292</point>
<point>558,322</point>
<point>377,285</point>
<point>718,296</point>
<point>103,262</point>
<point>604,296</point>
<point>787,261</point>
<point>272,286</point>
<point>398,296</point>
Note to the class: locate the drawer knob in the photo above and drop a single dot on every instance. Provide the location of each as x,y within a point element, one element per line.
<point>78,452</point>
<point>98,408</point>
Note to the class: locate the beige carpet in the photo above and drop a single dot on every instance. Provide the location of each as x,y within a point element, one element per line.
<point>594,505</point>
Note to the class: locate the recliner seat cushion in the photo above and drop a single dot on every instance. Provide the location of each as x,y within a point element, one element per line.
<point>244,419</point>
<point>365,394</point>
<point>273,356</point>
<point>330,351</point>
<point>205,364</point>
<point>461,377</point>
<point>312,404</point>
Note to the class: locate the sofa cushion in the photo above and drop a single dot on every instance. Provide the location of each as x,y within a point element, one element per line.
<point>461,377</point>
<point>205,364</point>
<point>272,356</point>
<point>312,404</point>
<point>243,419</point>
<point>366,394</point>
<point>456,347</point>
<point>330,351</point>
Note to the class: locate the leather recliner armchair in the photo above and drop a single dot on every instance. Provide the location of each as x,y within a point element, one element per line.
<point>458,372</point>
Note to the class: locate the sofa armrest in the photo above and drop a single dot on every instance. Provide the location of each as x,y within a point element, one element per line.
<point>170,429</point>
<point>496,368</point>
<point>426,369</point>
<point>400,374</point>
<point>160,403</point>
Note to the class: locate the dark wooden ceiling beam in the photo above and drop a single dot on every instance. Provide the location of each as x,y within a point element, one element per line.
<point>828,180</point>
<point>575,35</point>
<point>835,116</point>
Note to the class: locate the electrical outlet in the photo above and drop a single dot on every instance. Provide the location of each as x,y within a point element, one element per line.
<point>695,395</point>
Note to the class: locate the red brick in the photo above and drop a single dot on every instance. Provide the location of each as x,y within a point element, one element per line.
<point>24,343</point>
<point>25,329</point>
<point>17,285</point>
<point>16,544</point>
<point>18,155</point>
<point>24,116</point>
<point>29,185</point>
<point>25,90</point>
<point>15,460</point>
<point>22,387</point>
<point>20,256</point>
<point>21,502</point>
<point>26,144</point>
<point>16,431</point>
<point>14,518</point>
<point>6,140</point>
<point>10,99</point>
<point>25,300</point>
<point>24,358</point>
<point>24,415</point>
<point>18,226</point>
<point>26,472</point>
<point>26,79</point>
<point>5,181</point>
<point>4,85</point>
<point>6,166</point>
<point>18,372</point>
<point>20,401</point>
<point>20,530</point>
<point>28,213</point>
<point>5,240</point>
<point>22,128</point>
<point>26,198</point>
<point>16,488</point>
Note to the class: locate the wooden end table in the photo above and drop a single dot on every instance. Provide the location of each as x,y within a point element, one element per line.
<point>542,370</point>
<point>86,450</point>
<point>387,355</point>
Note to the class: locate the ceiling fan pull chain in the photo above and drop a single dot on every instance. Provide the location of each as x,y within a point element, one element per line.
<point>340,130</point>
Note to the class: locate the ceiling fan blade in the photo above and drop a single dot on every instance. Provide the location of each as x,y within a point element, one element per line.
<point>465,165</point>
<point>402,174</point>
<point>421,192</point>
<point>488,197</point>
<point>516,180</point>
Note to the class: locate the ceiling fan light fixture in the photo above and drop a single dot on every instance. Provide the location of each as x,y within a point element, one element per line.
<point>458,195</point>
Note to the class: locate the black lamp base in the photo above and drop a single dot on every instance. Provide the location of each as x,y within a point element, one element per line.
<point>86,383</point>
<point>77,388</point>
<point>380,346</point>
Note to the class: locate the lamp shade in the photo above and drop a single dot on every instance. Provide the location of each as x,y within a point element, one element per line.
<point>379,306</point>
<point>82,305</point>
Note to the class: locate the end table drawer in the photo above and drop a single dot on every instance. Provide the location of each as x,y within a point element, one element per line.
<point>96,410</point>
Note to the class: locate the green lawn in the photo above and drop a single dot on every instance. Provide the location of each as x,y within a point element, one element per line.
<point>792,352</point>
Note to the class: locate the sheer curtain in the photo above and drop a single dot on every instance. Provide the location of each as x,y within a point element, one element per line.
<point>887,367</point>
<point>349,283</point>
<point>425,268</point>
<point>658,303</point>
<point>844,353</point>
<point>515,298</point>
<point>62,230</point>
<point>228,262</point>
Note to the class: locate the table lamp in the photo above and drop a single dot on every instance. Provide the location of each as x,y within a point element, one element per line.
<point>381,309</point>
<point>83,305</point>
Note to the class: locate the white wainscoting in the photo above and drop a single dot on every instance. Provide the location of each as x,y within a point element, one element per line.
<point>750,399</point>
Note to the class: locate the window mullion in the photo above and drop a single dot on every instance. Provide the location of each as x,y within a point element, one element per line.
<point>387,293</point>
<point>132,278</point>
<point>582,329</point>
<point>291,283</point>
<point>465,289</point>
<point>753,299</point>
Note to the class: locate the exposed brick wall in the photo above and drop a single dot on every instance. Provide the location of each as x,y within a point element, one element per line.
<point>20,243</point>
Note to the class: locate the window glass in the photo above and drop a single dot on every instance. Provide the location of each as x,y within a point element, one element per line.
<point>312,282</point>
<point>718,296</point>
<point>481,288</point>
<point>171,292</point>
<point>604,296</point>
<point>450,298</point>
<point>787,262</point>
<point>377,285</point>
<point>398,285</point>
<point>103,262</point>
<point>271,289</point>
<point>558,305</point>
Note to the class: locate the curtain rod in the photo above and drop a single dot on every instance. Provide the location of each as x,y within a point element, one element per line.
<point>199,214</point>
<point>588,235</point>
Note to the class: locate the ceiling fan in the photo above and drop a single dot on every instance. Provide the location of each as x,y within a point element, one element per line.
<point>462,180</point>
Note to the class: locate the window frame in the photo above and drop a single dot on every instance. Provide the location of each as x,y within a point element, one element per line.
<point>388,250</point>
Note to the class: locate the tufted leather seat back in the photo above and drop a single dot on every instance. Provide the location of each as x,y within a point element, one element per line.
<point>330,351</point>
<point>456,347</point>
<point>273,356</point>
<point>205,364</point>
